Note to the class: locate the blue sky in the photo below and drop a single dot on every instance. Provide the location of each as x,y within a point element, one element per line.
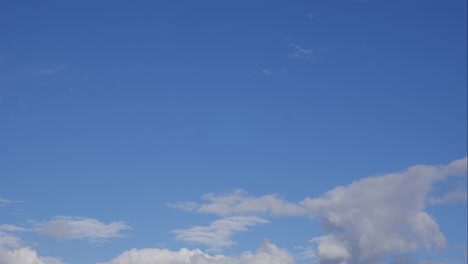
<point>244,132</point>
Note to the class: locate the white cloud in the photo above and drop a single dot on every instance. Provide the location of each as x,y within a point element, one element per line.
<point>4,202</point>
<point>7,239</point>
<point>300,52</point>
<point>367,221</point>
<point>12,250</point>
<point>49,71</point>
<point>11,228</point>
<point>240,203</point>
<point>25,255</point>
<point>450,197</point>
<point>186,206</point>
<point>218,234</point>
<point>331,249</point>
<point>266,254</point>
<point>65,227</point>
<point>377,217</point>
<point>271,72</point>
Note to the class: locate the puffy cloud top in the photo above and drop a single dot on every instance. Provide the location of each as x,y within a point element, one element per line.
<point>267,253</point>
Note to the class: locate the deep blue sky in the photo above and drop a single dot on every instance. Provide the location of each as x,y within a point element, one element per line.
<point>111,109</point>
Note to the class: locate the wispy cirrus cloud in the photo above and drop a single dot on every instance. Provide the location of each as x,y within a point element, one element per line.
<point>310,15</point>
<point>300,52</point>
<point>186,206</point>
<point>93,230</point>
<point>4,202</point>
<point>271,72</point>
<point>49,71</point>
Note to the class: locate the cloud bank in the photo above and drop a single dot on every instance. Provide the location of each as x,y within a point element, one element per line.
<point>368,221</point>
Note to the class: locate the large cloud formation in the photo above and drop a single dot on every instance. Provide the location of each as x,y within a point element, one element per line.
<point>267,253</point>
<point>374,219</point>
<point>378,217</point>
<point>367,221</point>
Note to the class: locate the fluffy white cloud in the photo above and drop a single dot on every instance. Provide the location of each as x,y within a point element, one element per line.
<point>12,250</point>
<point>65,227</point>
<point>24,255</point>
<point>367,221</point>
<point>331,249</point>
<point>266,254</point>
<point>218,234</point>
<point>377,217</point>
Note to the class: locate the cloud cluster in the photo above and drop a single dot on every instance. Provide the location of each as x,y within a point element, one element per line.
<point>13,250</point>
<point>367,221</point>
<point>267,253</point>
<point>66,227</point>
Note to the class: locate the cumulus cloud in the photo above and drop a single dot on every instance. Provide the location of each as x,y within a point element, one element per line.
<point>377,217</point>
<point>267,253</point>
<point>218,234</point>
<point>13,250</point>
<point>25,255</point>
<point>331,249</point>
<point>369,220</point>
<point>65,228</point>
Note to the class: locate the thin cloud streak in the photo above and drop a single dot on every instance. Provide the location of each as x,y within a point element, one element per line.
<point>66,228</point>
<point>218,234</point>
